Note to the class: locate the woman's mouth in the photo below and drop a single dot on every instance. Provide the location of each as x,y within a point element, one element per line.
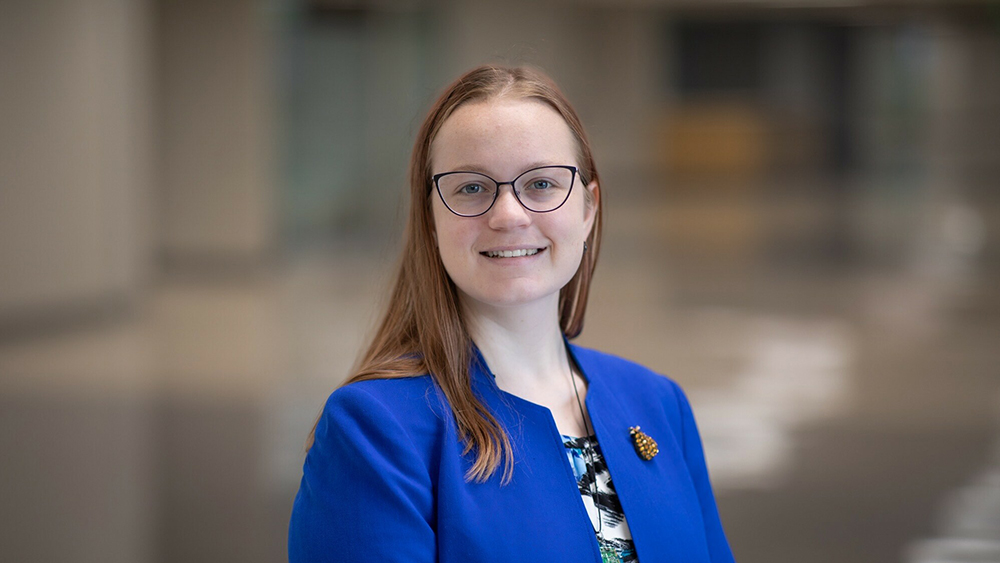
<point>512,253</point>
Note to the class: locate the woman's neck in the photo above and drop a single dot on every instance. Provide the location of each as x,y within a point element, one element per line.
<point>523,346</point>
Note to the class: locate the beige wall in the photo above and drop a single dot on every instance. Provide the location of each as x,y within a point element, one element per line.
<point>216,168</point>
<point>75,145</point>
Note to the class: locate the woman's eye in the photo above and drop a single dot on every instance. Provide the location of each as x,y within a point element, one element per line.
<point>540,185</point>
<point>471,189</point>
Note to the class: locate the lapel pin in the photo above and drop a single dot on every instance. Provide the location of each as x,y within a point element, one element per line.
<point>644,445</point>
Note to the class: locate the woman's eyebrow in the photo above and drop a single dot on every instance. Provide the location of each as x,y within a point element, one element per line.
<point>470,168</point>
<point>482,170</point>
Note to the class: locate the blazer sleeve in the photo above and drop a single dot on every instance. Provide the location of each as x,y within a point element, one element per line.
<point>365,495</point>
<point>718,545</point>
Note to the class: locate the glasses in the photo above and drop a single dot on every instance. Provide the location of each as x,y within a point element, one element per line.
<point>471,194</point>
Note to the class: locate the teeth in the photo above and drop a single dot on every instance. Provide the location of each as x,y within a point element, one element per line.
<point>512,253</point>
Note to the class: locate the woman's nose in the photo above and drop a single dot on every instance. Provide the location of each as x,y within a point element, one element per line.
<point>507,211</point>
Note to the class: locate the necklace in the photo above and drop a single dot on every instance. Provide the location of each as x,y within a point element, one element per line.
<point>608,553</point>
<point>591,473</point>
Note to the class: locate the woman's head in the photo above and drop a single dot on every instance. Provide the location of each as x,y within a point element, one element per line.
<point>423,331</point>
<point>505,97</point>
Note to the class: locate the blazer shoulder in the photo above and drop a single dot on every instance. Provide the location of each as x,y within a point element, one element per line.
<point>416,403</point>
<point>392,391</point>
<point>616,371</point>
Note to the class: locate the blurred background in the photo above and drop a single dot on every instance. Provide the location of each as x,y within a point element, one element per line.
<point>201,205</point>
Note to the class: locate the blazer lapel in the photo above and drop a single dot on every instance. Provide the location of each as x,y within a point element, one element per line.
<point>657,495</point>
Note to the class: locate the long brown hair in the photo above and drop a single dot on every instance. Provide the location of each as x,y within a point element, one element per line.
<point>422,331</point>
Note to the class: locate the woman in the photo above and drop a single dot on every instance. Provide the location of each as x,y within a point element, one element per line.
<point>473,430</point>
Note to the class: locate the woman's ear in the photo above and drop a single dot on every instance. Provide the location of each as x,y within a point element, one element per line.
<point>593,200</point>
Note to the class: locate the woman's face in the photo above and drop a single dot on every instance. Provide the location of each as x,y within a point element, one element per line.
<point>503,138</point>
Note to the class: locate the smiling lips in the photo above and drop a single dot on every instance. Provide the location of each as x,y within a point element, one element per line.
<point>512,253</point>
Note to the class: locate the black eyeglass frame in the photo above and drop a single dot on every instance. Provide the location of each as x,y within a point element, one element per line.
<point>572,182</point>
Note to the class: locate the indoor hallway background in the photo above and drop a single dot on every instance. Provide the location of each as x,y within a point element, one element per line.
<point>200,210</point>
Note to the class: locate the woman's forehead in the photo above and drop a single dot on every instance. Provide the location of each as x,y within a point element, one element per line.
<point>502,136</point>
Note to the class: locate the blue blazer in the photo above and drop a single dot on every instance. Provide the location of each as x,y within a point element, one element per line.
<point>385,478</point>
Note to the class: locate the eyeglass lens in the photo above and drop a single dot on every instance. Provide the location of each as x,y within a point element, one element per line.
<point>539,190</point>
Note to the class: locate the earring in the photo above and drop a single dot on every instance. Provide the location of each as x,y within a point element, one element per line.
<point>584,246</point>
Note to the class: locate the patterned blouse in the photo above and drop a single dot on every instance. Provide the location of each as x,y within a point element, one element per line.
<point>613,535</point>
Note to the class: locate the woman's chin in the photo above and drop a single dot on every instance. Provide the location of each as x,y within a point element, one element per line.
<point>510,297</point>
